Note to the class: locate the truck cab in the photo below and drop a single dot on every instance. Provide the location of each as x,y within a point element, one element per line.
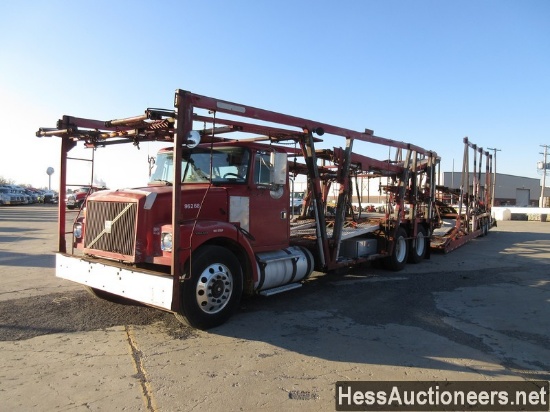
<point>255,194</point>
<point>233,226</point>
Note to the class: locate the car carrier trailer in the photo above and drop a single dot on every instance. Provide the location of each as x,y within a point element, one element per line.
<point>214,222</point>
<point>464,213</point>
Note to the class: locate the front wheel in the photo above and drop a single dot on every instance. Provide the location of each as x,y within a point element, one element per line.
<point>214,289</point>
<point>400,253</point>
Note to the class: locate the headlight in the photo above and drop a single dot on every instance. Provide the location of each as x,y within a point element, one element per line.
<point>78,230</point>
<point>166,241</point>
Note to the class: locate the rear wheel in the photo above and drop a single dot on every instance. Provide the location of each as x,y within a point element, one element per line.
<point>214,290</point>
<point>418,245</point>
<point>400,253</point>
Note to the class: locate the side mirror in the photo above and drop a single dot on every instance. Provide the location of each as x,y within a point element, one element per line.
<point>279,167</point>
<point>193,139</point>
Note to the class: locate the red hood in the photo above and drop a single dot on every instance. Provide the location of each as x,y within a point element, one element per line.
<point>158,200</point>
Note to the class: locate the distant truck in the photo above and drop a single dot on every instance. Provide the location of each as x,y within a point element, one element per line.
<point>7,197</point>
<point>214,222</point>
<point>296,201</point>
<point>50,196</point>
<point>76,199</point>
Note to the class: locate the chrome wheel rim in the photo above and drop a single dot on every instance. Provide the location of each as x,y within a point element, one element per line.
<point>214,288</point>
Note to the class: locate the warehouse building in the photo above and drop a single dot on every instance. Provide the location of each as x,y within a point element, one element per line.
<point>509,190</point>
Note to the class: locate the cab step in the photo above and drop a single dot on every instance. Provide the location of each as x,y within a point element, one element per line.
<point>280,289</point>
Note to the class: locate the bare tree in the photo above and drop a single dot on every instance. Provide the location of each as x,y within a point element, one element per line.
<point>4,181</point>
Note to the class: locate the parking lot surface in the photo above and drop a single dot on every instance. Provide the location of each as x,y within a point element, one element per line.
<point>479,313</point>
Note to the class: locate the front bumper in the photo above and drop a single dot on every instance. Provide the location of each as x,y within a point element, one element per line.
<point>145,287</point>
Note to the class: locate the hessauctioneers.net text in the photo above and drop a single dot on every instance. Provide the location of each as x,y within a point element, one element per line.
<point>443,396</point>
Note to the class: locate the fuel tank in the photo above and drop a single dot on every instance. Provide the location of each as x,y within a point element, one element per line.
<point>284,266</point>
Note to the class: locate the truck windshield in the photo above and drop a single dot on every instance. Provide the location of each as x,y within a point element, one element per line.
<point>222,165</point>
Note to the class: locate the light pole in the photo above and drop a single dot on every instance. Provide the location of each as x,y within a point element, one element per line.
<point>541,202</point>
<point>494,174</point>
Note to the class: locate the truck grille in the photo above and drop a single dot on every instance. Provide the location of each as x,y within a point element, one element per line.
<point>111,227</point>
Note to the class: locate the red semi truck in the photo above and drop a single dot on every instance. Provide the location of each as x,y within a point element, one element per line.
<point>214,221</point>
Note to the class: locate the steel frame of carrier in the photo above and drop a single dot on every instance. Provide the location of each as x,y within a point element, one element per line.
<point>471,218</point>
<point>411,191</point>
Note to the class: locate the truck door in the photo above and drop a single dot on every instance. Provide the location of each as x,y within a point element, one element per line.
<point>269,206</point>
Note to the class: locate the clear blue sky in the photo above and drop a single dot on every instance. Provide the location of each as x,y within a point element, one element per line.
<point>425,72</point>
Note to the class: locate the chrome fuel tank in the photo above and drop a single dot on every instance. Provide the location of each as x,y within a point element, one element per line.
<point>280,267</point>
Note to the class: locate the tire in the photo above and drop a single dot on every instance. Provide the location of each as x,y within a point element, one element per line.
<point>482,227</point>
<point>214,290</point>
<point>400,252</point>
<point>418,246</point>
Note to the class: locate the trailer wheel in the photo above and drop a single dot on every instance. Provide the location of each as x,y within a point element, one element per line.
<point>418,245</point>
<point>400,253</point>
<point>214,290</point>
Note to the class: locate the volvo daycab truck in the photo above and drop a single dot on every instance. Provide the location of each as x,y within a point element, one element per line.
<point>214,223</point>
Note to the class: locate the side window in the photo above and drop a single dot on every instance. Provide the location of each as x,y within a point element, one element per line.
<point>230,165</point>
<point>262,169</point>
<point>163,168</point>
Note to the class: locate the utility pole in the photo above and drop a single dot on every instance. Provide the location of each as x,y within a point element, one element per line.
<point>494,174</point>
<point>541,203</point>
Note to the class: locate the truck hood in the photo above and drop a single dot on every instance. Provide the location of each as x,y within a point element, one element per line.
<point>158,200</point>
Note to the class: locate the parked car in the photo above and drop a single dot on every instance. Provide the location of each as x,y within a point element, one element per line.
<point>296,200</point>
<point>77,198</point>
<point>27,199</point>
<point>22,193</point>
<point>32,195</point>
<point>8,197</point>
<point>51,197</point>
<point>5,198</point>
